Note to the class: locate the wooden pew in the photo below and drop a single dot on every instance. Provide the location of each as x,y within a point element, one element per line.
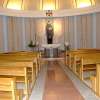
<point>35,55</point>
<point>80,51</point>
<point>8,89</point>
<point>17,58</point>
<point>95,80</point>
<point>23,52</point>
<point>29,65</point>
<point>20,59</point>
<point>85,62</point>
<point>15,70</point>
<point>93,83</point>
<point>25,58</point>
<point>85,58</point>
<point>98,79</point>
<point>71,58</point>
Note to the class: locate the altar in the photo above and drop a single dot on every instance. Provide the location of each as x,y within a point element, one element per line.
<point>51,50</point>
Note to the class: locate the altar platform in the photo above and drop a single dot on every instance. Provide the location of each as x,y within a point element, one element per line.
<point>51,50</point>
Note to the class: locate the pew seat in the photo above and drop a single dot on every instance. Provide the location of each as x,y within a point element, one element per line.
<point>17,71</point>
<point>8,89</point>
<point>22,65</point>
<point>89,67</point>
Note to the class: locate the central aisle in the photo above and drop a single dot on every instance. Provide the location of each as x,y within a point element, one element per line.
<point>58,86</point>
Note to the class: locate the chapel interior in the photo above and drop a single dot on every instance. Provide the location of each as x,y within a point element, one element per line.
<point>49,50</point>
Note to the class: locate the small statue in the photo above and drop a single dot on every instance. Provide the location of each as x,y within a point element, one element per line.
<point>49,32</point>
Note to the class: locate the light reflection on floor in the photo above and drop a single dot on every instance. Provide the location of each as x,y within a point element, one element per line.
<point>58,85</point>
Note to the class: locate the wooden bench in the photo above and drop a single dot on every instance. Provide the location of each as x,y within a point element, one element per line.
<point>98,79</point>
<point>15,70</point>
<point>8,89</point>
<point>95,80</point>
<point>32,60</point>
<point>93,83</point>
<point>79,51</point>
<point>73,54</point>
<point>87,61</point>
<point>36,56</point>
<point>19,60</point>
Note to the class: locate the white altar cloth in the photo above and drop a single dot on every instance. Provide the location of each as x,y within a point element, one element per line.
<point>51,50</point>
<point>48,46</point>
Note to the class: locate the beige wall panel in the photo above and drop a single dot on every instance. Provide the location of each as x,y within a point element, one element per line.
<point>66,31</point>
<point>71,32</point>
<point>14,34</point>
<point>14,30</point>
<point>98,30</point>
<point>89,31</point>
<point>1,34</point>
<point>10,25</point>
<point>84,31</point>
<point>27,31</point>
<point>33,32</point>
<point>79,31</point>
<point>17,31</point>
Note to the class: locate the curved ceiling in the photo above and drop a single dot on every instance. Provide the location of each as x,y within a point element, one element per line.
<point>39,4</point>
<point>36,8</point>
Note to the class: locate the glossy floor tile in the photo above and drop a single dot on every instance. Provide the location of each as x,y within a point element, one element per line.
<point>58,86</point>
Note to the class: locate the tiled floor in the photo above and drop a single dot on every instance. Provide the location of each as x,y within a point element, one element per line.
<point>58,86</point>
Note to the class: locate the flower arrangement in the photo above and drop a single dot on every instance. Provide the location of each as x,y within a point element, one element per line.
<point>31,45</point>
